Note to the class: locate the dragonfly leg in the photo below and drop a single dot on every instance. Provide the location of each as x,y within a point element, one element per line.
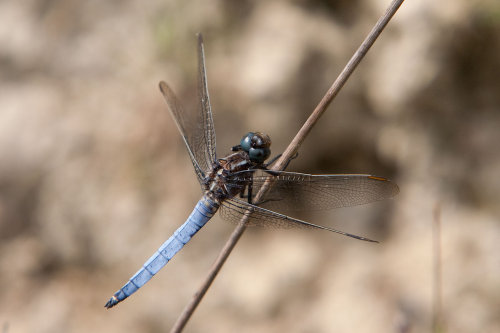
<point>264,201</point>
<point>249,191</point>
<point>242,193</point>
<point>248,195</point>
<point>274,159</point>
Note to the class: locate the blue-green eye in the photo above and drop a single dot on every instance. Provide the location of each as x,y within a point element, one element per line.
<point>259,155</point>
<point>246,141</point>
<point>257,145</point>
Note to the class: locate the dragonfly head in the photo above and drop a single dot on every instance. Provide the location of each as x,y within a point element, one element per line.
<point>257,145</point>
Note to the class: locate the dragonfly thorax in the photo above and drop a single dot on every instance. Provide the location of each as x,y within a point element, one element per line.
<point>217,181</point>
<point>250,154</point>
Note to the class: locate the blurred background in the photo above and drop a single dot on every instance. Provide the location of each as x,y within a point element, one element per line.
<point>94,175</point>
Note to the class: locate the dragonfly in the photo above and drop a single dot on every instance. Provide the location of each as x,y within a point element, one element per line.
<point>230,184</point>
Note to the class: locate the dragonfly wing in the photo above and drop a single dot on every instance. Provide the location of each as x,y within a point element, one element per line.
<point>188,129</point>
<point>299,191</point>
<point>197,128</point>
<point>235,210</point>
<point>205,107</point>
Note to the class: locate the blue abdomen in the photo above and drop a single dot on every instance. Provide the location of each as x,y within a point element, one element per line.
<point>202,213</point>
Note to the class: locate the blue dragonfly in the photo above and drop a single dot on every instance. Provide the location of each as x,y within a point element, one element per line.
<point>230,184</point>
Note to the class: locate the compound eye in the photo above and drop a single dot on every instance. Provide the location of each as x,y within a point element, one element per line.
<point>261,140</point>
<point>246,141</point>
<point>259,155</point>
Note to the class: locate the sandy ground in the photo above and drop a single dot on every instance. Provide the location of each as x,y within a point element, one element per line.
<point>94,175</point>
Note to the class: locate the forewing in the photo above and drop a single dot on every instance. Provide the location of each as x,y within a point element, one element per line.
<point>189,128</point>
<point>205,107</point>
<point>197,128</point>
<point>298,191</point>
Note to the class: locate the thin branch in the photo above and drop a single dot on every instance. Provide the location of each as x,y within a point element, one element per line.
<point>437,312</point>
<point>287,154</point>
